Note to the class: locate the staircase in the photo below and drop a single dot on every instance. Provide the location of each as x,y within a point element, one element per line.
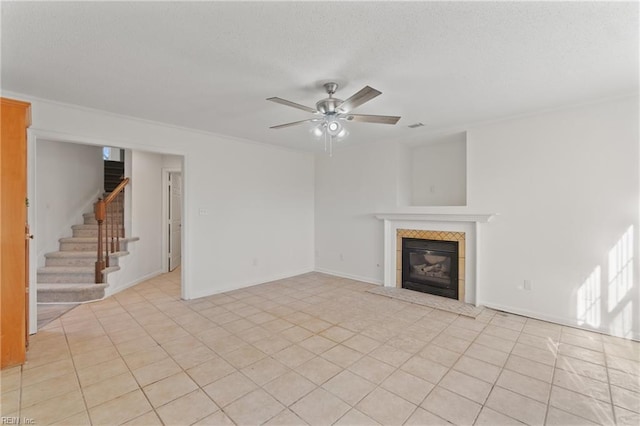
<point>69,274</point>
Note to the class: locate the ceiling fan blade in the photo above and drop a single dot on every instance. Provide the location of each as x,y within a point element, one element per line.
<point>295,123</point>
<point>382,119</point>
<point>292,104</point>
<point>364,95</point>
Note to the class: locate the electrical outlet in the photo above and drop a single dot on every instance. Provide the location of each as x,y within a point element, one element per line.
<point>527,285</point>
<point>341,257</point>
<point>255,261</point>
<point>203,212</point>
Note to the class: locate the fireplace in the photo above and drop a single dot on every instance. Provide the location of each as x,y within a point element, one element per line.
<point>430,266</point>
<point>441,225</point>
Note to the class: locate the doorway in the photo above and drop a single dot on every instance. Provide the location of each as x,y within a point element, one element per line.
<point>174,219</point>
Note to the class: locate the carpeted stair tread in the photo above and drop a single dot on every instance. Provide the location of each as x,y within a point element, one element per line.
<point>80,231</point>
<point>65,269</point>
<point>76,254</point>
<point>69,286</point>
<point>92,239</point>
<point>73,269</point>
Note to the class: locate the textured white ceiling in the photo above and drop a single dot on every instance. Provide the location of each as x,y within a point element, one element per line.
<point>210,65</point>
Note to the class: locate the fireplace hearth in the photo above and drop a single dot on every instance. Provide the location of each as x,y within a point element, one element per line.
<point>430,266</point>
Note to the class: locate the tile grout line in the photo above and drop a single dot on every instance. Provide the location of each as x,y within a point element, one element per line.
<point>553,375</point>
<point>606,369</point>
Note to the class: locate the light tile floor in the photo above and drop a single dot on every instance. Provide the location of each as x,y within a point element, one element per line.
<point>314,349</point>
<point>47,312</point>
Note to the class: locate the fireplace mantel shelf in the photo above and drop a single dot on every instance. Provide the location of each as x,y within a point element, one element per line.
<point>437,217</point>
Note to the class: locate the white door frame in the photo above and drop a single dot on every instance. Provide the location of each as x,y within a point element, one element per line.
<point>165,214</point>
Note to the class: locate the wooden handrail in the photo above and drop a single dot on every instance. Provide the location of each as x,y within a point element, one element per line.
<point>112,215</point>
<point>116,191</point>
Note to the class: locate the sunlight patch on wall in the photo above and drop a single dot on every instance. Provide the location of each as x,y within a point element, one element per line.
<point>589,299</point>
<point>620,284</point>
<point>622,323</point>
<point>620,269</point>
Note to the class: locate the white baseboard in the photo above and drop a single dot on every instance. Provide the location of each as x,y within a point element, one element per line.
<point>118,289</point>
<point>349,276</point>
<point>569,322</point>
<point>249,283</point>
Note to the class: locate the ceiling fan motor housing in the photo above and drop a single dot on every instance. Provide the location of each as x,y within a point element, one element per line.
<point>328,105</point>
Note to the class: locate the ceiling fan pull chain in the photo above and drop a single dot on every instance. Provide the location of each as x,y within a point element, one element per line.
<point>330,146</point>
<point>325,141</point>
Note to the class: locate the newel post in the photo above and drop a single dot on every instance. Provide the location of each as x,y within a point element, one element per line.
<point>99,209</point>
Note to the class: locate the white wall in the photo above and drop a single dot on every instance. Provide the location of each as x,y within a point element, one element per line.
<point>351,186</point>
<point>70,177</point>
<point>172,161</point>
<point>145,258</point>
<point>566,186</point>
<point>439,172</point>
<point>254,213</point>
<point>404,176</point>
<point>257,200</point>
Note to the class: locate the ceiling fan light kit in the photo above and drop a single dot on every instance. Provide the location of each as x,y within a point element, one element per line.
<point>334,111</point>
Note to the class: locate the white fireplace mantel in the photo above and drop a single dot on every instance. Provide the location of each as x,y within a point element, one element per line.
<point>437,219</point>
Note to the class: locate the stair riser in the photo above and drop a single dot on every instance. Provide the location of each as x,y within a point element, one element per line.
<point>78,246</point>
<point>52,296</point>
<point>90,219</point>
<point>64,261</point>
<point>83,233</point>
<point>63,278</point>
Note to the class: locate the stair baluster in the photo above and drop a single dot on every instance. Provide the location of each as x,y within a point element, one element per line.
<point>100,213</point>
<point>108,214</point>
<point>106,235</point>
<point>119,221</point>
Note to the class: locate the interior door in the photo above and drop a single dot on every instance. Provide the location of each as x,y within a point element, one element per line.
<point>175,219</point>
<point>13,231</point>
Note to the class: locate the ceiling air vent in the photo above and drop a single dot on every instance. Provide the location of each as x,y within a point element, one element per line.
<point>413,126</point>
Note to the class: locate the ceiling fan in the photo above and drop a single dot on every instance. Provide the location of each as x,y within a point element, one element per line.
<point>331,112</point>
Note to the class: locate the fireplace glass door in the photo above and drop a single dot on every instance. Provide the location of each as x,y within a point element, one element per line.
<point>430,266</point>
